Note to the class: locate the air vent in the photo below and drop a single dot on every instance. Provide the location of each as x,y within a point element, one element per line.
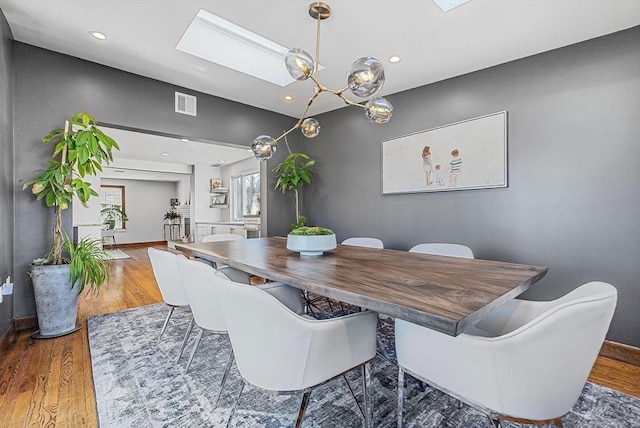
<point>186,104</point>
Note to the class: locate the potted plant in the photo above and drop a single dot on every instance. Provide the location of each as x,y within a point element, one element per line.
<point>311,240</point>
<point>291,174</point>
<point>80,150</point>
<point>171,216</point>
<point>112,213</point>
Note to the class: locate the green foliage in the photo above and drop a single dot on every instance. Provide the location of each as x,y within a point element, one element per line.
<point>77,153</point>
<point>113,212</point>
<point>87,263</point>
<point>302,221</point>
<point>80,150</point>
<point>311,231</point>
<point>171,215</point>
<point>294,171</point>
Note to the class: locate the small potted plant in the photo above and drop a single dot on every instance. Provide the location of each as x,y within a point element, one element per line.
<point>311,240</point>
<point>58,277</point>
<point>171,216</point>
<point>112,213</point>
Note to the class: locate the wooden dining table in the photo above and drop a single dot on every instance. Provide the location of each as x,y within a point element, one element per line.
<point>447,294</point>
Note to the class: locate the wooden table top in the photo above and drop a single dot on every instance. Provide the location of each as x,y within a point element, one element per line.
<point>447,294</point>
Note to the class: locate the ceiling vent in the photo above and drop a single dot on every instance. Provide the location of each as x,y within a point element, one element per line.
<point>186,104</point>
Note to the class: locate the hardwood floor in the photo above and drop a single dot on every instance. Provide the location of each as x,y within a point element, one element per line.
<point>48,383</point>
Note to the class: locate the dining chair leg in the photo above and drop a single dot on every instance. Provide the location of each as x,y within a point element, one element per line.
<point>235,404</point>
<point>495,422</point>
<point>303,408</point>
<point>186,337</point>
<point>367,395</point>
<point>400,395</point>
<point>353,395</point>
<point>193,351</point>
<point>224,377</point>
<point>166,321</point>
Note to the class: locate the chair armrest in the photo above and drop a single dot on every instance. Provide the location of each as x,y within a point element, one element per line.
<point>339,344</point>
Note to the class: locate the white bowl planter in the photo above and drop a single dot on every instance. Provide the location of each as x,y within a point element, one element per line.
<point>311,245</point>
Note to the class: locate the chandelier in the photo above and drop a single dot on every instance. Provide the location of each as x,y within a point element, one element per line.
<point>365,78</point>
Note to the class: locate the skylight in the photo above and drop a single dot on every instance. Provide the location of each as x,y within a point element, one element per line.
<point>217,40</point>
<point>447,5</point>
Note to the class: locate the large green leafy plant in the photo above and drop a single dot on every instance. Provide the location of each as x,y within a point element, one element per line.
<point>292,173</point>
<point>81,149</point>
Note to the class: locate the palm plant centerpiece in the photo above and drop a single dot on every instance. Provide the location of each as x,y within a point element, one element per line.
<point>80,150</point>
<point>292,173</point>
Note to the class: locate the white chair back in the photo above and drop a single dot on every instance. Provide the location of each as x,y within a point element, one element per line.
<point>443,249</point>
<point>281,351</point>
<point>362,241</point>
<point>222,237</point>
<point>527,359</point>
<point>167,276</point>
<point>199,283</point>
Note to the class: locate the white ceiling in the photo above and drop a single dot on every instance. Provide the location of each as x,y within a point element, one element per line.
<point>139,157</point>
<point>142,36</point>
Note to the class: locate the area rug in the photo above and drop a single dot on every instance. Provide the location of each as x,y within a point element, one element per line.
<point>116,254</point>
<point>138,384</point>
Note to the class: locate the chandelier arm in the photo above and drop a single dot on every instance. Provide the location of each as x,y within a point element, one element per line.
<point>348,101</point>
<point>293,128</point>
<point>317,57</point>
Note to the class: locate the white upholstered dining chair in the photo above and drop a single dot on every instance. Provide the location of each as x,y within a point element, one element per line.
<point>525,362</point>
<point>363,241</point>
<point>279,351</point>
<point>443,249</point>
<point>165,271</point>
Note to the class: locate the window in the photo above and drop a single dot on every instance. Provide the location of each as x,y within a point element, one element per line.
<point>245,195</point>
<point>112,210</point>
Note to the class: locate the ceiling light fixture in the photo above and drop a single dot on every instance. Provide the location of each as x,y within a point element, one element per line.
<point>163,154</point>
<point>364,80</point>
<point>393,59</point>
<point>288,98</point>
<point>184,140</point>
<point>98,35</point>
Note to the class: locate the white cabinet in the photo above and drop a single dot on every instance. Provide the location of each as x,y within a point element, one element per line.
<point>204,229</point>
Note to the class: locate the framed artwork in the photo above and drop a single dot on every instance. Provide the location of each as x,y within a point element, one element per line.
<point>471,154</point>
<point>214,184</point>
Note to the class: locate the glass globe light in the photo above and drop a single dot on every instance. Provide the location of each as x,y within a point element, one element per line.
<point>299,64</point>
<point>264,147</point>
<point>378,110</point>
<point>310,127</point>
<point>366,77</point>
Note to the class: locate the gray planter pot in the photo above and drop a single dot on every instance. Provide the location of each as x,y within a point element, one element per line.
<point>56,301</point>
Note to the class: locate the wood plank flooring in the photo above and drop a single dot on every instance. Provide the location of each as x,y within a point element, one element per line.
<point>48,383</point>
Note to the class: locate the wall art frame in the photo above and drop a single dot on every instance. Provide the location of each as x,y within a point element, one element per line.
<point>465,155</point>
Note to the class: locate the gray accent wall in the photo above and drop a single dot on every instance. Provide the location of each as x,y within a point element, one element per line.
<point>573,201</point>
<point>50,87</point>
<point>6,168</point>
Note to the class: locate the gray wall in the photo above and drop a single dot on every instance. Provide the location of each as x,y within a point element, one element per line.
<point>6,167</point>
<point>50,87</point>
<point>146,202</point>
<point>573,201</point>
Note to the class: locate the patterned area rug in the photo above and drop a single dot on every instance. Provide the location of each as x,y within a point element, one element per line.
<point>138,384</point>
<point>117,254</point>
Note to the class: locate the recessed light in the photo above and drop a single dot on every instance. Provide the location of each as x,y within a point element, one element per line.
<point>288,98</point>
<point>164,154</point>
<point>98,35</point>
<point>184,140</point>
<point>220,161</point>
<point>393,59</point>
